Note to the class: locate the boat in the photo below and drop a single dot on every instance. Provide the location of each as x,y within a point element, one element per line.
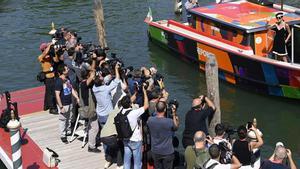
<point>236,33</point>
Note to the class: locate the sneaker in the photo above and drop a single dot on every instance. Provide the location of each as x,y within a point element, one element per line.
<point>69,132</point>
<point>107,164</point>
<point>94,150</point>
<point>120,167</point>
<point>53,111</point>
<point>64,140</point>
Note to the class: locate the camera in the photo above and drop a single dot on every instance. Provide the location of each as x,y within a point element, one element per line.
<point>58,46</point>
<point>249,125</point>
<point>171,103</point>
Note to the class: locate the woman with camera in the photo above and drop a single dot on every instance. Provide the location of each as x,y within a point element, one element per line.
<point>48,76</point>
<point>243,149</point>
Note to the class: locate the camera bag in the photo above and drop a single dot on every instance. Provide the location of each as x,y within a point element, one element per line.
<point>50,157</point>
<point>41,76</point>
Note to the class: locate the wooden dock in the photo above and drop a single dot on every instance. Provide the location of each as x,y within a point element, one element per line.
<point>40,130</point>
<point>43,127</point>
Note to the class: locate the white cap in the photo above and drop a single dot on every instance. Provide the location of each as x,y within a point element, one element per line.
<point>279,144</point>
<point>252,135</point>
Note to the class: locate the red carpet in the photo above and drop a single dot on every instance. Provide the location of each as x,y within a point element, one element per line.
<point>29,101</point>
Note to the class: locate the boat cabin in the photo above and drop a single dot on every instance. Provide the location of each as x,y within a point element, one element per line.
<point>244,23</point>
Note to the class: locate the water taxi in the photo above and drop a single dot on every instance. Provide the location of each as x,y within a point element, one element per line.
<point>236,33</point>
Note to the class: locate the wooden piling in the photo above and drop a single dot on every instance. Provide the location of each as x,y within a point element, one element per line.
<point>212,83</point>
<point>99,19</point>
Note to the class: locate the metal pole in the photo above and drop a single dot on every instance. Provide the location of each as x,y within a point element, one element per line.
<point>293,44</point>
<point>15,139</point>
<point>212,83</point>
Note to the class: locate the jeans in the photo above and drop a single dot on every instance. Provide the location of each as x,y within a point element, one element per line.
<point>64,120</point>
<point>93,130</point>
<point>163,161</point>
<point>132,148</point>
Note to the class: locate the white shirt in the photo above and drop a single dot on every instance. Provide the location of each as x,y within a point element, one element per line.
<point>219,166</point>
<point>133,117</point>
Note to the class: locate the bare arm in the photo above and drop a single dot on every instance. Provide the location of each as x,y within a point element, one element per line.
<point>175,117</point>
<point>291,161</point>
<point>75,94</point>
<point>146,102</point>
<point>58,101</point>
<point>91,77</point>
<point>259,142</point>
<point>210,103</point>
<point>235,163</point>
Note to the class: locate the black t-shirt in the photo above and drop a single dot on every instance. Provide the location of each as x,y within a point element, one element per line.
<point>195,120</point>
<point>65,89</point>
<point>84,89</point>
<point>267,164</point>
<point>242,152</point>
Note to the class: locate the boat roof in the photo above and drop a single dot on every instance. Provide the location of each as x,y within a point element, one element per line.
<point>243,15</point>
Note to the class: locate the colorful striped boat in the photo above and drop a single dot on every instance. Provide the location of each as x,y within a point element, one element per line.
<point>236,33</point>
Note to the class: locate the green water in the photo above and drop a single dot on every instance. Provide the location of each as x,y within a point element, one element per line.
<point>24,25</point>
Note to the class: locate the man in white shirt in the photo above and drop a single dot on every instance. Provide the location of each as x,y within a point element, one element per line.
<point>133,145</point>
<point>214,162</point>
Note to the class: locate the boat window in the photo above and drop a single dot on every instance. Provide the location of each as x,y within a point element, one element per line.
<point>295,44</point>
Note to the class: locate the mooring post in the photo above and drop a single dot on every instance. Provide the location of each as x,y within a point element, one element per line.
<point>178,7</point>
<point>15,140</point>
<point>99,19</point>
<point>212,83</point>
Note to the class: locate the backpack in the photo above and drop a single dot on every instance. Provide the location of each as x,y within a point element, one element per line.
<point>123,126</point>
<point>209,167</point>
<point>200,159</point>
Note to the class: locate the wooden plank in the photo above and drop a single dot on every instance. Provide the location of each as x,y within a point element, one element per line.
<point>43,128</point>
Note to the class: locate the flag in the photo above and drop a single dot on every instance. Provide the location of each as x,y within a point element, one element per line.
<point>149,16</point>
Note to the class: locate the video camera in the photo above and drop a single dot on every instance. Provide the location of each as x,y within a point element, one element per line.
<point>171,103</point>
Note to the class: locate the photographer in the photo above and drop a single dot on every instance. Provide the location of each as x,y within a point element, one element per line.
<point>133,145</point>
<point>197,154</point>
<point>214,162</point>
<point>87,100</point>
<point>47,68</point>
<point>195,119</point>
<point>102,91</point>
<point>277,159</point>
<point>224,144</point>
<point>243,149</point>
<point>162,132</point>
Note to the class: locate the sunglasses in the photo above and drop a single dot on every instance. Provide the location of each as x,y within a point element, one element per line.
<point>279,17</point>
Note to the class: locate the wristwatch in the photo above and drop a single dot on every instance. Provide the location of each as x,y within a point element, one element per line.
<point>61,107</point>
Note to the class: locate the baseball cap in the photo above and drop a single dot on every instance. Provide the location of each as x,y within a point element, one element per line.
<point>43,46</point>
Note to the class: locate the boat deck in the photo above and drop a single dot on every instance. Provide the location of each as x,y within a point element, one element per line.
<point>243,15</point>
<point>40,130</point>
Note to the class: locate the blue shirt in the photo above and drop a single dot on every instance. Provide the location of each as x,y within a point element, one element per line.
<point>104,98</point>
<point>162,131</point>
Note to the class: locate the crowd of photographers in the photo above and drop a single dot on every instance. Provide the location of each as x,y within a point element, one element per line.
<point>129,111</point>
